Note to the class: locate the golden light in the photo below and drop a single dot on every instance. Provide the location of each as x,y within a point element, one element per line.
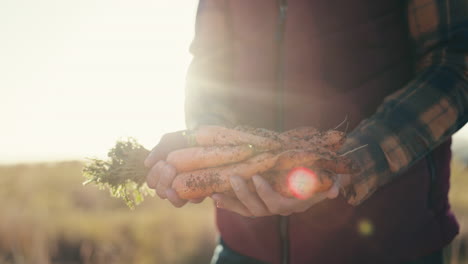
<point>78,75</point>
<point>365,227</point>
<point>302,182</point>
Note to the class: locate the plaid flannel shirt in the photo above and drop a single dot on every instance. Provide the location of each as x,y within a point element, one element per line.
<point>428,110</point>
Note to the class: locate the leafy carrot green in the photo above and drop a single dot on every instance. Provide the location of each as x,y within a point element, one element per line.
<point>123,173</point>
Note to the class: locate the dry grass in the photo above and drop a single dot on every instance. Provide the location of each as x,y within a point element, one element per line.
<point>457,252</point>
<point>47,216</point>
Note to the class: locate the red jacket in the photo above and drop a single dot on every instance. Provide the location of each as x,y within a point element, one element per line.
<point>313,64</point>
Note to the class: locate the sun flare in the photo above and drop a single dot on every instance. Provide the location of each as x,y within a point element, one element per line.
<point>81,74</point>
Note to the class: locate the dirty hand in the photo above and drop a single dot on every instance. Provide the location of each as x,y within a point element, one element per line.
<point>161,174</point>
<point>265,201</point>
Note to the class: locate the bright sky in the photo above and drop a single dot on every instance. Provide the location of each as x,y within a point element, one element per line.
<point>75,76</point>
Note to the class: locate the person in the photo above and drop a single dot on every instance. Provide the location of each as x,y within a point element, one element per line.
<point>397,69</point>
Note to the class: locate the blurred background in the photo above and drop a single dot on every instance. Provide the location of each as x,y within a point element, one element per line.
<point>75,76</point>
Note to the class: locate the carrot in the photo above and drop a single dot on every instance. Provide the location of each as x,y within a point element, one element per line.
<point>302,157</point>
<point>308,136</point>
<point>278,181</point>
<point>332,140</point>
<point>301,182</point>
<point>220,136</point>
<point>261,132</point>
<point>190,159</point>
<point>206,157</point>
<point>338,165</point>
<point>301,132</point>
<point>201,183</point>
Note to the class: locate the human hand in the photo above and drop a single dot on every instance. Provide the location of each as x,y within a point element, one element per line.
<point>264,201</point>
<point>161,173</point>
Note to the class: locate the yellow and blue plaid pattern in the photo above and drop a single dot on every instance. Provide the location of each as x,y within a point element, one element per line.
<point>428,110</point>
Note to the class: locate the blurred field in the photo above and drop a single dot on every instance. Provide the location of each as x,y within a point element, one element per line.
<point>457,252</point>
<point>47,216</point>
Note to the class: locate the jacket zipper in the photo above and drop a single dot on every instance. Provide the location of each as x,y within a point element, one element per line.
<point>283,8</point>
<point>284,233</point>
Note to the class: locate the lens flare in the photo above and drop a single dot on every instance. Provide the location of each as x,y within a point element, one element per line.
<point>302,182</point>
<point>365,227</point>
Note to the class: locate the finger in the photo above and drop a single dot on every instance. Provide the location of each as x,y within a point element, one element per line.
<point>197,201</point>
<point>153,175</point>
<point>316,198</point>
<point>168,143</point>
<point>250,200</point>
<point>156,154</point>
<point>345,179</point>
<point>166,177</point>
<point>231,204</point>
<point>335,189</point>
<point>174,198</point>
<point>151,159</point>
<point>230,193</point>
<point>333,192</point>
<point>304,205</point>
<point>275,203</point>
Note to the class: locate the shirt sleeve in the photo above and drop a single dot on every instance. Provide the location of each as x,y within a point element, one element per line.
<point>424,113</point>
<point>209,73</point>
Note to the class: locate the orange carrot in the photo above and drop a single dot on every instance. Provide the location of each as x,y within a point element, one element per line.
<point>301,132</point>
<point>332,140</point>
<point>190,159</point>
<point>281,183</point>
<point>286,183</point>
<point>278,181</point>
<point>338,165</point>
<point>302,157</point>
<point>261,132</point>
<point>201,183</point>
<point>219,136</point>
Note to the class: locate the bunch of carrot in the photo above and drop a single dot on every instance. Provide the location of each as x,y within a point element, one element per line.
<point>216,153</point>
<point>205,159</point>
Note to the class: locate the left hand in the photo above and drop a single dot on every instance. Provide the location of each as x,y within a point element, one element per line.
<point>161,174</point>
<point>265,201</point>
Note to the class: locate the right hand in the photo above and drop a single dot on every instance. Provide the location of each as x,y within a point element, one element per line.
<point>161,173</point>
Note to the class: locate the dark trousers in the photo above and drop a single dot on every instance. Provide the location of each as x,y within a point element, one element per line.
<point>225,255</point>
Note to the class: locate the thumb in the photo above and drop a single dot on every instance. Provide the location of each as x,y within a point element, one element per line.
<point>168,143</point>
